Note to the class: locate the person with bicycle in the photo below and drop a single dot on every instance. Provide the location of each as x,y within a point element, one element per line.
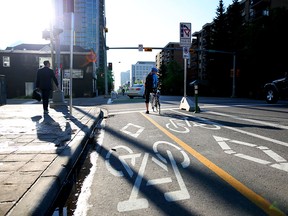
<point>151,84</point>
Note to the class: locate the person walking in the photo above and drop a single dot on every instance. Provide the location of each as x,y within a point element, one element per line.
<point>44,79</point>
<point>151,84</point>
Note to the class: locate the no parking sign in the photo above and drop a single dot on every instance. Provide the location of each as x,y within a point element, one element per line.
<point>186,54</point>
<point>185,34</point>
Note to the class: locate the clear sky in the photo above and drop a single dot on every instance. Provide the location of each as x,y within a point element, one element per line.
<point>153,23</point>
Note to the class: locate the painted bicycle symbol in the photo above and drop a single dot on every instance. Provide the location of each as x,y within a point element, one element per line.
<point>182,125</point>
<point>163,158</point>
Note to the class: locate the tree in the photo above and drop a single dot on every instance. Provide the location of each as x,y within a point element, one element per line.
<point>173,79</point>
<point>217,69</point>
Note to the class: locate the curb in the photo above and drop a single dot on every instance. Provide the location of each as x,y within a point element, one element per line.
<point>41,197</point>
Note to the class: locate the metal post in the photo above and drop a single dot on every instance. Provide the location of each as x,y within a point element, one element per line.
<point>52,46</point>
<point>71,60</point>
<point>196,97</point>
<point>185,76</point>
<point>58,96</point>
<point>105,67</point>
<point>105,74</point>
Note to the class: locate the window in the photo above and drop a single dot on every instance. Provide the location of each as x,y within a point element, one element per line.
<point>6,61</point>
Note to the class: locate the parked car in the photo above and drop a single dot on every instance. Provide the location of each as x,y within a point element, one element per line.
<point>276,89</point>
<point>137,90</point>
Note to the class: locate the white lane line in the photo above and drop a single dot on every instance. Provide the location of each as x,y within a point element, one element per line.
<point>258,136</point>
<point>257,160</point>
<point>250,120</point>
<point>224,145</point>
<point>83,205</point>
<point>281,166</point>
<point>242,131</point>
<point>243,143</point>
<point>274,156</point>
<point>129,111</point>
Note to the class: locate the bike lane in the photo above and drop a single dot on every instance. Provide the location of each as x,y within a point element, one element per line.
<point>142,167</point>
<point>262,160</point>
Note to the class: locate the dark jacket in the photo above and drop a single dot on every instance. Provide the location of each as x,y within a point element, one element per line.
<point>44,78</point>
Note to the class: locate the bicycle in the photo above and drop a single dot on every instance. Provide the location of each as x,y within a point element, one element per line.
<point>155,101</point>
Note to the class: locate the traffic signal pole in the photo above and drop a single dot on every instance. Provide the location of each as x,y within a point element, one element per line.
<point>149,49</point>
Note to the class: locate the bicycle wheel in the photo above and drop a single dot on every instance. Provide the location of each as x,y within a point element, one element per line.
<point>158,105</point>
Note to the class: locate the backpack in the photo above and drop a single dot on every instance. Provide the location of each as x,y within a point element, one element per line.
<point>149,81</point>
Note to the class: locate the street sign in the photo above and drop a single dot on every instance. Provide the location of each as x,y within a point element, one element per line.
<point>185,34</point>
<point>140,47</point>
<point>186,53</point>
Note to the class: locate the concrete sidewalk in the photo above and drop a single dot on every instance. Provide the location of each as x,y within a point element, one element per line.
<point>38,151</point>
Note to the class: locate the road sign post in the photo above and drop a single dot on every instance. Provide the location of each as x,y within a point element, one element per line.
<point>185,34</point>
<point>185,42</point>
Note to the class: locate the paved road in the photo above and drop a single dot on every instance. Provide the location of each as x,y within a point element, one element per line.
<point>229,159</point>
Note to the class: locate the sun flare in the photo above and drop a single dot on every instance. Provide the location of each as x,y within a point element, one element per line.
<point>25,20</point>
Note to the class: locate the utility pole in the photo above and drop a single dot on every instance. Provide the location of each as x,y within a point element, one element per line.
<point>55,31</point>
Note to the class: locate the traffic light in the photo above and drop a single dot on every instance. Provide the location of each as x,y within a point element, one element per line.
<point>192,51</point>
<point>147,49</point>
<point>110,66</point>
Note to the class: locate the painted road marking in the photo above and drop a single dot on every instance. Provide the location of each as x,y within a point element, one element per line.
<point>179,125</point>
<point>186,160</point>
<point>183,192</point>
<point>244,132</point>
<point>282,163</point>
<point>122,159</point>
<point>132,130</point>
<point>182,125</point>
<point>250,120</point>
<point>258,200</point>
<point>134,203</point>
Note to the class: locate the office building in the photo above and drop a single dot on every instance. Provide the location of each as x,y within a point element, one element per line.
<point>140,70</point>
<point>89,27</point>
<point>125,78</point>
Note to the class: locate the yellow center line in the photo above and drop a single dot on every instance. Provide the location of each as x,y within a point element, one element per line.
<point>244,190</point>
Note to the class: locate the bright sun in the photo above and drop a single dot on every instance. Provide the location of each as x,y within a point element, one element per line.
<point>24,21</point>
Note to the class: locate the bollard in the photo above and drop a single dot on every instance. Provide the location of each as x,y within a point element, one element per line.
<point>196,97</point>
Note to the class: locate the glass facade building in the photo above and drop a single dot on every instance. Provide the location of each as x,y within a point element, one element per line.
<point>89,27</point>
